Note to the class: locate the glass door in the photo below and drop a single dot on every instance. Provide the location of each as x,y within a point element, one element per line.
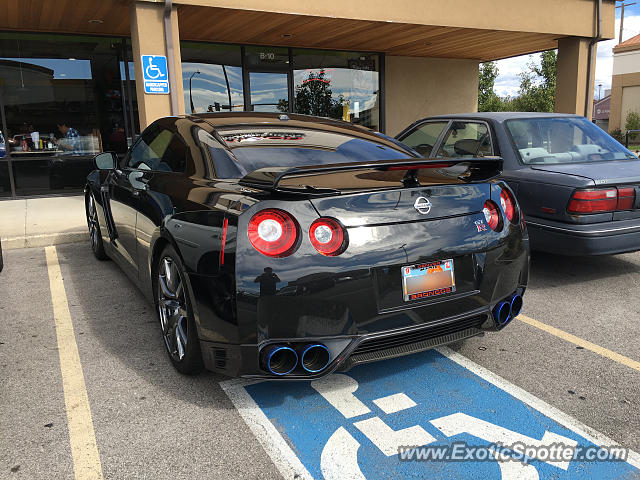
<point>269,91</point>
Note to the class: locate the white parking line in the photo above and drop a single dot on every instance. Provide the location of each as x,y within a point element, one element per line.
<point>285,460</point>
<point>562,418</point>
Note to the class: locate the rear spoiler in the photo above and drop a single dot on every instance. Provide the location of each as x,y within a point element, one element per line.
<point>467,170</point>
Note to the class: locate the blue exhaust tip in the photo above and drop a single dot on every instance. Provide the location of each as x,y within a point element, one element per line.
<point>502,313</point>
<point>516,305</point>
<point>315,358</point>
<point>279,359</point>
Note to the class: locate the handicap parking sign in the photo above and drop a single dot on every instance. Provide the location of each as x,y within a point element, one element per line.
<point>429,415</point>
<point>155,74</point>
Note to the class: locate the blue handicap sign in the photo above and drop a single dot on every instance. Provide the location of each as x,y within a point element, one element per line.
<point>465,421</point>
<point>155,74</point>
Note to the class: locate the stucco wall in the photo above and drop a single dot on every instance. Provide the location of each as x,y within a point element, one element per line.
<point>621,101</point>
<point>630,102</point>
<point>420,87</point>
<point>147,38</point>
<point>626,62</point>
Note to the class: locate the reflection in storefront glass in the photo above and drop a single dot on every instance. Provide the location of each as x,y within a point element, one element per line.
<point>209,90</point>
<point>63,99</point>
<point>341,85</point>
<point>269,91</point>
<point>5,182</point>
<point>211,77</point>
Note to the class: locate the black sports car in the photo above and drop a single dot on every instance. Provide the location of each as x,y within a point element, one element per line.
<point>290,246</point>
<point>579,189</point>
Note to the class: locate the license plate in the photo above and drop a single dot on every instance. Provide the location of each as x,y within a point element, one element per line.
<point>428,280</point>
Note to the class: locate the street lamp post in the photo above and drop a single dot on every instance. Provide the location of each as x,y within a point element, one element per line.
<point>197,72</point>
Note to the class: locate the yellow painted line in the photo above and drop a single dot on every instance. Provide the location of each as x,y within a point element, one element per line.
<point>605,352</point>
<point>84,450</point>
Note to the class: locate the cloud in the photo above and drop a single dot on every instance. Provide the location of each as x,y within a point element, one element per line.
<point>508,81</point>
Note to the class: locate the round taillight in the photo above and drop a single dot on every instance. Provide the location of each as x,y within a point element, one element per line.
<point>491,215</point>
<point>273,232</point>
<point>328,237</point>
<point>508,205</point>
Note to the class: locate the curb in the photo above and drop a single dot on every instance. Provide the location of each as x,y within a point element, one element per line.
<point>44,240</point>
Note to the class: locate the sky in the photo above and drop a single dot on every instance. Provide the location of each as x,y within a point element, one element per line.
<point>508,81</point>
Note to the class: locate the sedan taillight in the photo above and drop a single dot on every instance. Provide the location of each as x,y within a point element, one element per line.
<point>599,200</point>
<point>273,232</point>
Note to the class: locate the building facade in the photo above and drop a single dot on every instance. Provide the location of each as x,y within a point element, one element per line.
<point>72,73</point>
<point>625,84</point>
<point>601,111</point>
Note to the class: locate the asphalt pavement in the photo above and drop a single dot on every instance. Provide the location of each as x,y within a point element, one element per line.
<point>151,422</point>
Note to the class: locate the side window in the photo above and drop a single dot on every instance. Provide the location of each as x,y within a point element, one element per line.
<point>160,150</point>
<point>221,161</point>
<point>175,156</point>
<point>466,139</point>
<point>424,137</point>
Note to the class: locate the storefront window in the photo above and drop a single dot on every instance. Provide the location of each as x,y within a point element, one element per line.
<point>342,85</point>
<point>63,98</point>
<point>211,77</point>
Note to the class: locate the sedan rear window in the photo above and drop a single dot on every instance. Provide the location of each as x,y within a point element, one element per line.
<point>255,148</point>
<point>555,140</point>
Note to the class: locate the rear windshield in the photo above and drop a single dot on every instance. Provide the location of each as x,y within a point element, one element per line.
<point>554,140</point>
<point>255,148</point>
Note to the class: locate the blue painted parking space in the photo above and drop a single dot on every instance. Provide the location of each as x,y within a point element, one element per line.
<point>469,423</point>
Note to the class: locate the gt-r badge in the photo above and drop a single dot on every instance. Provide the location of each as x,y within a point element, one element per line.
<point>480,225</point>
<point>422,205</point>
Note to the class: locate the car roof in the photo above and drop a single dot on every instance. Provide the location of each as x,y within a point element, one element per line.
<point>502,116</point>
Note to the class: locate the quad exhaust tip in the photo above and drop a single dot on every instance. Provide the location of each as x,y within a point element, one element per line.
<point>315,357</point>
<point>279,359</point>
<point>502,313</point>
<point>516,305</point>
<point>507,310</point>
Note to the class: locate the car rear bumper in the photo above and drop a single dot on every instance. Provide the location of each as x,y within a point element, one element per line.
<point>243,360</point>
<point>588,239</point>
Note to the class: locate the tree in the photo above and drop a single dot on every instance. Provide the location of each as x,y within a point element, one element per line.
<point>632,122</point>
<point>314,97</point>
<point>538,85</point>
<point>488,101</point>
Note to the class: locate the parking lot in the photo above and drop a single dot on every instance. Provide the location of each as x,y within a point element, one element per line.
<point>567,367</point>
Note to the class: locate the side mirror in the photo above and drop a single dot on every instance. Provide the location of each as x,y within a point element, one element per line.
<point>105,161</point>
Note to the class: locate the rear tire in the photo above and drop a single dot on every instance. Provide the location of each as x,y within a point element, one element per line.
<point>173,304</point>
<point>95,235</point>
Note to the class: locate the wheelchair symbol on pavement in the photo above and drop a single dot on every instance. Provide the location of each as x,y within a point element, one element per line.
<point>339,459</point>
<point>430,415</point>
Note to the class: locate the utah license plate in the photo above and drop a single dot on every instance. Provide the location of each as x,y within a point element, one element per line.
<point>428,279</point>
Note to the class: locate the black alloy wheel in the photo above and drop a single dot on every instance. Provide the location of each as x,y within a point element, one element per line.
<point>174,311</point>
<point>95,236</point>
